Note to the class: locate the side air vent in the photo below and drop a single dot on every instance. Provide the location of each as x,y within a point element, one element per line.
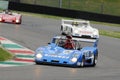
<point>65,62</point>
<point>45,60</point>
<point>55,61</point>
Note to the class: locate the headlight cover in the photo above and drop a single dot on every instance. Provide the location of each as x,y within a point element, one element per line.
<point>95,34</point>
<point>39,55</point>
<point>74,57</point>
<point>17,21</point>
<point>76,31</point>
<point>74,60</point>
<point>0,19</point>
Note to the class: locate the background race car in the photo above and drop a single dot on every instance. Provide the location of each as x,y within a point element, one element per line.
<point>84,52</point>
<point>8,16</point>
<point>79,28</point>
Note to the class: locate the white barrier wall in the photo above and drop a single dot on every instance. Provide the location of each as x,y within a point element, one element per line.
<point>3,4</point>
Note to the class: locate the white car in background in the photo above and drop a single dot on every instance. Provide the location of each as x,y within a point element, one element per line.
<point>79,28</point>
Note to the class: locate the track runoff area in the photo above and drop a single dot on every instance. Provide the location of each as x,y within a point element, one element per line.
<point>22,55</point>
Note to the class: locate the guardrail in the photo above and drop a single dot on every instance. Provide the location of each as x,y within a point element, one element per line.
<point>63,12</point>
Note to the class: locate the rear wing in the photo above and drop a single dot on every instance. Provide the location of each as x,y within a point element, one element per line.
<point>64,21</point>
<point>94,41</point>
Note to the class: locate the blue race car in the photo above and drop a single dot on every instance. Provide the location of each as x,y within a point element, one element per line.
<point>82,52</point>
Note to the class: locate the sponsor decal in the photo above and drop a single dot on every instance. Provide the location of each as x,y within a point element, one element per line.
<point>56,56</point>
<point>85,32</point>
<point>67,51</point>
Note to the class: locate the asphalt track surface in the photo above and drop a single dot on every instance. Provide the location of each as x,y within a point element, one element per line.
<point>35,32</point>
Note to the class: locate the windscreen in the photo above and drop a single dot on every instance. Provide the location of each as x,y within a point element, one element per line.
<point>78,44</point>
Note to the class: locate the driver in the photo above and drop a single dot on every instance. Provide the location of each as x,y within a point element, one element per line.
<point>75,23</point>
<point>69,44</point>
<point>7,12</point>
<point>85,25</point>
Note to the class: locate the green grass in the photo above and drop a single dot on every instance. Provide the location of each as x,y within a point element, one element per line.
<point>4,55</point>
<point>105,23</point>
<point>111,7</point>
<point>114,34</point>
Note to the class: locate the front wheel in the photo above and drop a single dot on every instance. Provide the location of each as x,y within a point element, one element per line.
<point>61,29</point>
<point>71,31</point>
<point>20,21</point>
<point>83,62</point>
<point>95,60</point>
<point>37,63</point>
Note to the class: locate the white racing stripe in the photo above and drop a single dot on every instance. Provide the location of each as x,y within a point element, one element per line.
<point>26,49</point>
<point>24,54</point>
<point>26,58</point>
<point>21,62</point>
<point>7,65</point>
